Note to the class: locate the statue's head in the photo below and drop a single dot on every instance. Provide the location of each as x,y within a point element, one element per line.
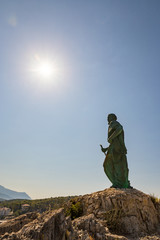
<point>111,117</point>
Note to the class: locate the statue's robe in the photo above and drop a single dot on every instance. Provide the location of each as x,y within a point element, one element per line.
<point>115,163</point>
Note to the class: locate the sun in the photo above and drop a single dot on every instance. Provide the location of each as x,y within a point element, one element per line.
<point>43,69</point>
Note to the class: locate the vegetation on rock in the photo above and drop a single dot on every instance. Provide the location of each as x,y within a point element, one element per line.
<point>117,214</point>
<point>39,205</point>
<point>74,210</point>
<point>113,218</point>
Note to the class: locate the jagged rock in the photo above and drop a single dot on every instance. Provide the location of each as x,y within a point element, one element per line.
<point>107,215</point>
<point>128,211</point>
<point>150,238</point>
<point>48,226</point>
<point>14,225</point>
<point>94,227</point>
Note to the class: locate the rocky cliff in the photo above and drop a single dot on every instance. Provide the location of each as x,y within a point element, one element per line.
<point>109,214</point>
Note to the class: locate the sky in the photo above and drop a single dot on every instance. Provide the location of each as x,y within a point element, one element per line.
<point>105,58</point>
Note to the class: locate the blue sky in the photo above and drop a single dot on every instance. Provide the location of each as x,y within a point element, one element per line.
<point>107,56</point>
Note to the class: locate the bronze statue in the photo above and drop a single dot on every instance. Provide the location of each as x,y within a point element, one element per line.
<point>115,163</point>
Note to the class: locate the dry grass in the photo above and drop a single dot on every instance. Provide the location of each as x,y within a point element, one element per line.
<point>113,219</point>
<point>154,199</point>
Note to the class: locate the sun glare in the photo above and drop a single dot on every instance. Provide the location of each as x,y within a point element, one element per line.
<point>43,69</point>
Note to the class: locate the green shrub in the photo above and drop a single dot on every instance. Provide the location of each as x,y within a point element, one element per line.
<point>17,213</point>
<point>75,210</point>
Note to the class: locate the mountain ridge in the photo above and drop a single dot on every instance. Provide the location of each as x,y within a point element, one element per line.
<point>8,194</point>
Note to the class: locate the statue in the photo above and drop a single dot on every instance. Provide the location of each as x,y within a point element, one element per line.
<point>115,163</point>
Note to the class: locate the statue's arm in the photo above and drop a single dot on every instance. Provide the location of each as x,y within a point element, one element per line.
<point>117,131</point>
<point>103,149</point>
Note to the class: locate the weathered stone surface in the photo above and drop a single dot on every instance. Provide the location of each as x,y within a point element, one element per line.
<point>110,214</point>
<point>96,228</point>
<point>48,226</point>
<point>150,238</point>
<point>132,211</point>
<point>14,225</point>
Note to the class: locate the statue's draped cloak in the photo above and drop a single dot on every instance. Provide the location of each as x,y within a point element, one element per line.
<point>115,163</point>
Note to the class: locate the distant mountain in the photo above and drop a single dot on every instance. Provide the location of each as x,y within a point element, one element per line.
<point>1,199</point>
<point>4,196</point>
<point>8,194</point>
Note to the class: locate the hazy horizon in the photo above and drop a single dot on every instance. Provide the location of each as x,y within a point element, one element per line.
<point>64,66</point>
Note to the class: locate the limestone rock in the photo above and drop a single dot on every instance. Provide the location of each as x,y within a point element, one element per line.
<point>14,225</point>
<point>126,210</point>
<point>48,226</point>
<point>110,214</point>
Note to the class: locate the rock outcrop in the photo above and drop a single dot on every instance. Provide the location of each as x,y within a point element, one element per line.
<point>125,210</point>
<point>51,225</point>
<point>109,214</point>
<point>14,225</point>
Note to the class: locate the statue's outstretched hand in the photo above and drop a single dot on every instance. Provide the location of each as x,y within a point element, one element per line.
<point>103,149</point>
